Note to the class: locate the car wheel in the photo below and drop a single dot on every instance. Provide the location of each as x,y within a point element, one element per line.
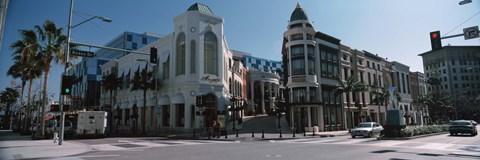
<point>451,133</point>
<point>370,135</point>
<point>353,136</point>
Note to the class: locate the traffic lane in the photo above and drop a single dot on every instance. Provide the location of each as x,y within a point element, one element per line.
<point>279,151</point>
<point>109,140</point>
<point>446,138</point>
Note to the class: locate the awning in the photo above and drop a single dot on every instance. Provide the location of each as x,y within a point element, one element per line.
<point>164,56</point>
<point>164,100</point>
<point>178,99</point>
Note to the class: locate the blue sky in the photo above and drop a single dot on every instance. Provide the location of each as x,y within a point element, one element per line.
<point>396,29</point>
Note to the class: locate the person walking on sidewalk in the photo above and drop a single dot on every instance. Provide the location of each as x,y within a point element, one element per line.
<point>216,129</point>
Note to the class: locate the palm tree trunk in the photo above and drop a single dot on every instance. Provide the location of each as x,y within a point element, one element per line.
<point>29,116</point>
<point>143,110</point>
<point>349,115</point>
<point>111,107</point>
<point>24,82</point>
<point>44,101</point>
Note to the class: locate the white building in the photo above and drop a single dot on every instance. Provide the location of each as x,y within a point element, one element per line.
<point>193,61</point>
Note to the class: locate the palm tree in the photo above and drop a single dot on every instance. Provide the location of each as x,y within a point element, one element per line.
<point>352,86</point>
<point>110,83</point>
<point>423,100</point>
<point>52,42</point>
<point>383,96</point>
<point>27,64</point>
<point>143,80</point>
<point>8,96</point>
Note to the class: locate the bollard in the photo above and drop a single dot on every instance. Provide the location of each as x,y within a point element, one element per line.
<point>263,134</point>
<point>304,133</point>
<point>280,132</point>
<point>208,134</point>
<point>226,134</point>
<point>253,135</point>
<point>237,133</point>
<point>294,132</point>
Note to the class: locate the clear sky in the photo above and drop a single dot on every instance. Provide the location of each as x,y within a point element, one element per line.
<point>396,29</point>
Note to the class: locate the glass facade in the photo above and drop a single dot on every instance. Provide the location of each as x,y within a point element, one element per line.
<point>211,53</point>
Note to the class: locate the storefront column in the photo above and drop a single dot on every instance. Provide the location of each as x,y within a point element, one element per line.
<point>321,121</point>
<point>309,112</point>
<point>252,95</point>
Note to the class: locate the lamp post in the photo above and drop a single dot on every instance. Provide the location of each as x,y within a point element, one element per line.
<point>67,53</point>
<point>280,102</point>
<point>338,91</point>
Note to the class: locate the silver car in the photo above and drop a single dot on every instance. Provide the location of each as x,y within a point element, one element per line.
<point>367,129</point>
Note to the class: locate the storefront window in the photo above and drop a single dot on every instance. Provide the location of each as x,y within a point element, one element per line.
<point>180,109</point>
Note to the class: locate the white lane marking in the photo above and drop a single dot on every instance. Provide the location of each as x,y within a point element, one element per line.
<point>390,143</point>
<point>237,141</point>
<point>435,146</point>
<point>94,156</point>
<point>456,141</point>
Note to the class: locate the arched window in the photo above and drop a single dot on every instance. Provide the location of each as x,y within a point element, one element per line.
<point>211,55</point>
<point>180,61</point>
<point>192,56</point>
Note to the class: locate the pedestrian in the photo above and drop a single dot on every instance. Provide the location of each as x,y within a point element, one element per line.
<point>216,129</point>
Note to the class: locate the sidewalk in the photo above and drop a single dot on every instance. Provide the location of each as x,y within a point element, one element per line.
<point>14,146</point>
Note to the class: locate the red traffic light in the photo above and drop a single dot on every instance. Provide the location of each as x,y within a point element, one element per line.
<point>434,35</point>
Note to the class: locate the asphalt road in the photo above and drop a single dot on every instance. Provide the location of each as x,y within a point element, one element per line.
<point>441,146</point>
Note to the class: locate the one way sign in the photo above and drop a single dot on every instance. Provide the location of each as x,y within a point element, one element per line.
<point>470,32</point>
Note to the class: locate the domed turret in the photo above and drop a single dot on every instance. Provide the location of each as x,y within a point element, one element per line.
<point>200,8</point>
<point>298,14</point>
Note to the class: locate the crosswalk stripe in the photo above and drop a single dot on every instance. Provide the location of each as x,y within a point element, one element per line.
<point>435,146</point>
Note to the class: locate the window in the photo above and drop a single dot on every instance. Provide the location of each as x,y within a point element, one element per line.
<point>454,78</point>
<point>298,67</point>
<point>453,62</point>
<point>309,37</point>
<point>308,25</point>
<point>180,109</point>
<point>299,95</point>
<point>211,53</point>
<point>144,40</point>
<point>129,37</point>
<point>313,94</point>
<point>297,50</point>
<point>180,61</point>
<point>368,64</point>
<point>454,70</point>
<point>298,25</point>
<point>444,71</point>
<point>134,46</point>
<point>296,37</point>
<point>192,57</point>
<point>310,50</point>
<point>311,66</point>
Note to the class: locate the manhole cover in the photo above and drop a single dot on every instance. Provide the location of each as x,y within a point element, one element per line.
<point>273,155</point>
<point>128,145</point>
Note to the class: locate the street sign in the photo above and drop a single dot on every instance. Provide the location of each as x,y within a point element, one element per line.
<point>470,32</point>
<point>391,90</point>
<point>81,53</point>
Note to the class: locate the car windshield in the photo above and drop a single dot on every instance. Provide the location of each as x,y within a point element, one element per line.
<point>364,125</point>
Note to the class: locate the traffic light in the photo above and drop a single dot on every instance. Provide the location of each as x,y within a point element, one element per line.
<point>67,82</point>
<point>435,40</point>
<point>54,108</point>
<point>153,55</point>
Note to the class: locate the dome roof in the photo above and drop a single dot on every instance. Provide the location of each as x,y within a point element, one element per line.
<point>298,14</point>
<point>201,8</point>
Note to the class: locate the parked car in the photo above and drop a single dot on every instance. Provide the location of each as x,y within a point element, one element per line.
<point>367,129</point>
<point>462,126</point>
<point>473,122</point>
<point>68,129</point>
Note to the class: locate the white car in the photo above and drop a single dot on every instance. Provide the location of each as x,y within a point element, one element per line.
<point>367,129</point>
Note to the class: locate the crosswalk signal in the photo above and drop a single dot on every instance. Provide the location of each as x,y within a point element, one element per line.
<point>67,82</point>
<point>435,40</point>
<point>153,55</point>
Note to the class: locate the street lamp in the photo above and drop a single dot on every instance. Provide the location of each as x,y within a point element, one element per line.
<point>67,53</point>
<point>280,102</point>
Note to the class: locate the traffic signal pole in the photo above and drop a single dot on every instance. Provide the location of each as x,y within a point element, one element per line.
<point>67,53</point>
<point>452,36</point>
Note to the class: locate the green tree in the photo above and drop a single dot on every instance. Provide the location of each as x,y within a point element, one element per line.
<point>110,83</point>
<point>28,65</point>
<point>352,86</point>
<point>52,42</point>
<point>143,80</point>
<point>8,96</point>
